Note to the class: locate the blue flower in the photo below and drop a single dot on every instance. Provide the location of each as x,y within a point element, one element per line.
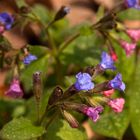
<point>107,62</point>
<point>132,4</point>
<point>6,20</point>
<point>29,58</point>
<point>117,83</point>
<point>84,81</point>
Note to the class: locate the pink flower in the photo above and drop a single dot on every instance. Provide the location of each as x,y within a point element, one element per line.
<point>128,47</point>
<point>114,56</point>
<point>93,113</point>
<point>15,90</point>
<point>108,92</point>
<point>134,34</point>
<point>117,104</point>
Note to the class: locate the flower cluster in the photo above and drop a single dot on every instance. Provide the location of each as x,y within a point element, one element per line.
<point>84,83</point>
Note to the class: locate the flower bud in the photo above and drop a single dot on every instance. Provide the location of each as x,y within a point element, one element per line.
<point>56,95</point>
<point>108,93</point>
<point>70,119</point>
<point>113,54</point>
<point>63,11</point>
<point>100,87</point>
<point>37,85</point>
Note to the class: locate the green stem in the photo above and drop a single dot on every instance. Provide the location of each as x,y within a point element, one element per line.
<point>59,74</point>
<point>50,41</point>
<point>68,41</point>
<point>52,119</point>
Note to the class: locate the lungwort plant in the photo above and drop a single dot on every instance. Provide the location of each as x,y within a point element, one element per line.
<point>71,74</point>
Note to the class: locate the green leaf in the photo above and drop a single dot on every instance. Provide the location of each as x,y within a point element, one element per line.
<point>130,14</point>
<point>41,13</point>
<point>60,130</point>
<point>21,3</point>
<point>134,101</point>
<point>111,124</point>
<point>27,73</point>
<point>86,30</point>
<point>83,52</point>
<point>31,112</point>
<point>21,129</point>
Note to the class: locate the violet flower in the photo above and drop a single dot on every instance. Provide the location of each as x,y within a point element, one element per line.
<point>128,47</point>
<point>93,113</point>
<point>6,21</point>
<point>83,82</point>
<point>15,90</point>
<point>107,62</point>
<point>117,104</point>
<point>29,58</point>
<point>132,4</point>
<point>117,83</point>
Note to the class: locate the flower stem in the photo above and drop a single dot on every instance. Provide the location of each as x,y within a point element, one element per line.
<point>68,41</point>
<point>52,119</point>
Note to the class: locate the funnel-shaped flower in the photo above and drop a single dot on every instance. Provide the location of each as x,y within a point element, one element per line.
<point>93,113</point>
<point>107,62</point>
<point>117,83</point>
<point>132,4</point>
<point>128,47</point>
<point>29,58</point>
<point>6,21</point>
<point>134,34</point>
<point>15,90</point>
<point>117,104</point>
<point>83,82</point>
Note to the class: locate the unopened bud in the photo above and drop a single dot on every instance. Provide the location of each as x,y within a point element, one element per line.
<point>63,11</point>
<point>70,119</point>
<point>55,96</point>
<point>90,70</point>
<point>101,87</point>
<point>37,85</point>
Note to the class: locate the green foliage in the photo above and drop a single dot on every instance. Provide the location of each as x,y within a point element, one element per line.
<point>83,51</point>
<point>60,130</point>
<point>130,14</point>
<point>134,99</point>
<point>21,129</point>
<point>27,73</point>
<point>31,105</point>
<point>7,110</point>
<point>111,124</point>
<point>20,3</point>
<point>42,14</point>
